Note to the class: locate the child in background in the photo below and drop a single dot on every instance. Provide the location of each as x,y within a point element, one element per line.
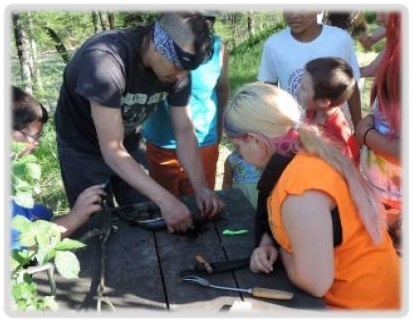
<point>306,40</point>
<point>326,84</point>
<point>240,174</point>
<point>29,117</point>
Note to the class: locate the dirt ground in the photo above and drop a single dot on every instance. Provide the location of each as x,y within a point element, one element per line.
<point>223,153</point>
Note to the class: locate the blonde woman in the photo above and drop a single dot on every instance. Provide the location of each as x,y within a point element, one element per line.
<point>325,222</point>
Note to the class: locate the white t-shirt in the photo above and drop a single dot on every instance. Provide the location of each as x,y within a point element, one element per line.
<point>284,57</point>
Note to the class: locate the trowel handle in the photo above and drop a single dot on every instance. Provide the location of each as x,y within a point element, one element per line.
<point>271,293</point>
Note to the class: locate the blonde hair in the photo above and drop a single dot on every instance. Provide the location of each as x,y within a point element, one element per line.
<point>273,113</point>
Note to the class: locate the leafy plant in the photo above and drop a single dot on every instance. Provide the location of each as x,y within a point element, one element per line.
<point>25,175</point>
<point>40,241</point>
<point>41,244</point>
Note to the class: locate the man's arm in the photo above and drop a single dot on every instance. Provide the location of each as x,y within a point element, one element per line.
<point>222,89</point>
<point>109,128</point>
<point>189,156</point>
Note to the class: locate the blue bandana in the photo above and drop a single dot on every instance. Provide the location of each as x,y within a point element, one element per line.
<point>172,52</point>
<point>165,45</point>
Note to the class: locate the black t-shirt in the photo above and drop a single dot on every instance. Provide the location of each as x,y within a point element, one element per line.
<point>107,69</point>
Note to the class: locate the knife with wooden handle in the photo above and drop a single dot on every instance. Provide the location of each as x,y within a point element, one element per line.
<point>256,291</point>
<point>270,293</point>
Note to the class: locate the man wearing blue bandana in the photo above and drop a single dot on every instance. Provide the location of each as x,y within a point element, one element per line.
<point>113,82</point>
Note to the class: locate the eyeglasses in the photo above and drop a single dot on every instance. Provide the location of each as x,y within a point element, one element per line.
<point>34,138</point>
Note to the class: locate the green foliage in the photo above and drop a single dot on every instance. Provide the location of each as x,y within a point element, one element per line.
<point>26,174</point>
<point>42,243</point>
<point>245,58</point>
<point>24,292</point>
<point>40,240</point>
<point>51,190</point>
<point>136,18</point>
<point>370,17</point>
<point>233,26</point>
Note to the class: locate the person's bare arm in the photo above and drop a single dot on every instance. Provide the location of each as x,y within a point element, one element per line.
<point>308,224</point>
<point>354,105</point>
<point>188,154</point>
<point>109,128</point>
<point>264,256</point>
<point>367,41</point>
<point>386,146</point>
<point>371,69</point>
<point>222,89</point>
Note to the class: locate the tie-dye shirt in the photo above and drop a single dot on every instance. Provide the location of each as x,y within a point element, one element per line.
<point>382,174</point>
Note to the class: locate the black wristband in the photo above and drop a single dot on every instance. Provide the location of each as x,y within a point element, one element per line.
<point>365,135</point>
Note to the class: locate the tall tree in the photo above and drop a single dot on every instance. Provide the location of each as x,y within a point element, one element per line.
<point>60,47</point>
<point>33,62</point>
<point>250,24</point>
<point>103,20</point>
<point>95,21</point>
<point>22,52</point>
<point>111,19</point>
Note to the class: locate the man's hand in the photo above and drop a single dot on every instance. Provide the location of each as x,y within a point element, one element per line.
<point>177,215</point>
<point>208,203</point>
<point>263,259</point>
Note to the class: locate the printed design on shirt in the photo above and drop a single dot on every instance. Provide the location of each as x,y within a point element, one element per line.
<point>294,84</point>
<point>136,108</point>
<point>243,172</point>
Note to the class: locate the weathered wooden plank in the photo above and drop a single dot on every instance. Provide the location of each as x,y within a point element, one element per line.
<point>178,253</point>
<point>133,278</point>
<point>76,294</point>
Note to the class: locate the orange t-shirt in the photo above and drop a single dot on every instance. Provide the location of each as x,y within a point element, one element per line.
<point>367,276</point>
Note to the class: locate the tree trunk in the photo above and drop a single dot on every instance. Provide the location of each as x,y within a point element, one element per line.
<point>95,21</point>
<point>22,52</point>
<point>35,71</point>
<point>103,20</point>
<point>111,18</point>
<point>60,47</point>
<point>251,24</point>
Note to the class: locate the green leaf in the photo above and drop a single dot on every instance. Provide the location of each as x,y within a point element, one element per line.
<point>21,223</point>
<point>21,258</point>
<point>18,147</point>
<point>45,254</point>
<point>67,264</point>
<point>69,244</point>
<point>33,171</point>
<point>24,291</point>
<point>50,303</point>
<point>23,199</point>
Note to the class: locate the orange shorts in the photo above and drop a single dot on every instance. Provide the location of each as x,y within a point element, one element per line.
<point>165,168</point>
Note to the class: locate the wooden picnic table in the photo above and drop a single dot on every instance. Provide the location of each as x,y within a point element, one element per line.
<point>142,268</point>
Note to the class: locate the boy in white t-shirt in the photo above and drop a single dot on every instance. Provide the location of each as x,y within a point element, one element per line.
<point>286,52</point>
